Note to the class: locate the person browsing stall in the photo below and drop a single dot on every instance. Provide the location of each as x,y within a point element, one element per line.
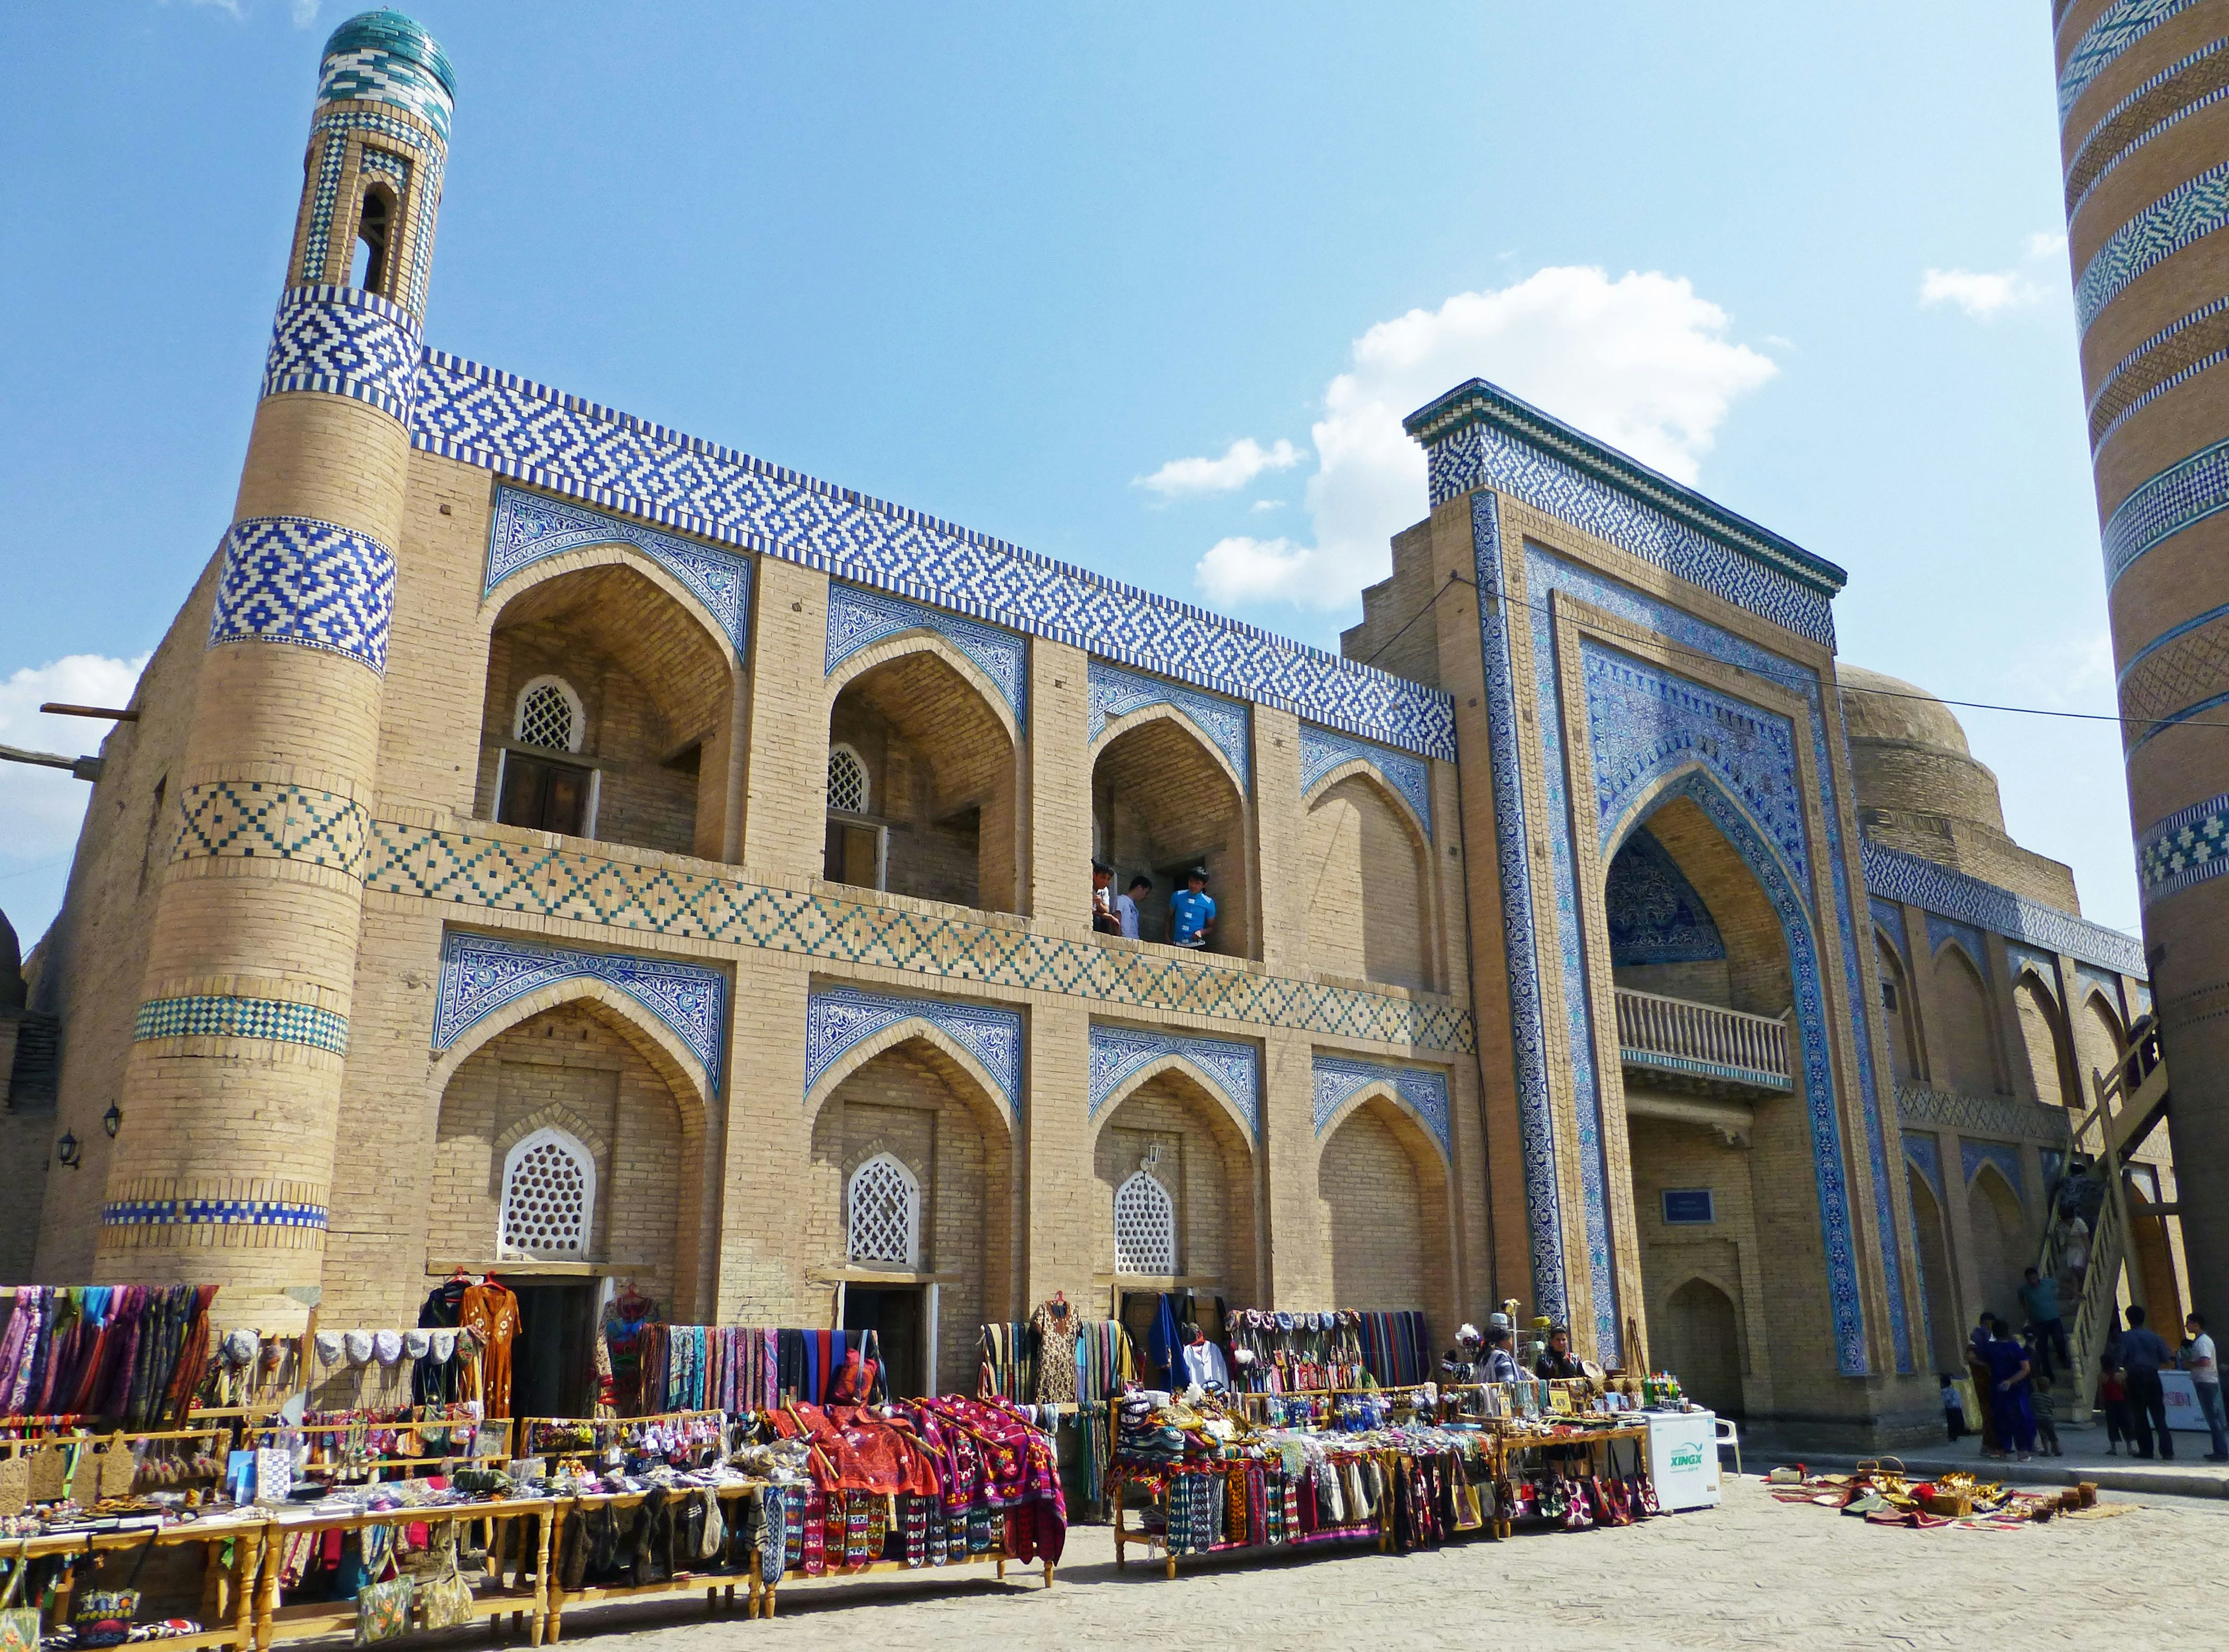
<point>1501,1364</point>
<point>1191,910</point>
<point>1555,1361</point>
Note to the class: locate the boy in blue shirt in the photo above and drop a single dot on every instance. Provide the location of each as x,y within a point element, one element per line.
<point>1191,910</point>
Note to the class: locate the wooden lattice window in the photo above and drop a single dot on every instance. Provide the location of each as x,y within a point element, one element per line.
<point>847,780</point>
<point>550,716</point>
<point>549,1197</point>
<point>884,1213</point>
<point>1145,1226</point>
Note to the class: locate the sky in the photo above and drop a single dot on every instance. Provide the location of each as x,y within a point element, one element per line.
<point>1145,287</point>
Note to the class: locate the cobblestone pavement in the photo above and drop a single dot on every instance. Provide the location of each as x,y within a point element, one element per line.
<point>1754,1572</point>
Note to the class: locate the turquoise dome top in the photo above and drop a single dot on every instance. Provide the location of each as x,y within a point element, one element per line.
<point>396,35</point>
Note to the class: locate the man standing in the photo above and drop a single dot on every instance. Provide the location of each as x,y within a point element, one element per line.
<point>1191,910</point>
<point>1102,902</point>
<point>2206,1378</point>
<point>2040,1297</point>
<point>1977,1368</point>
<point>1126,904</point>
<point>2143,1354</point>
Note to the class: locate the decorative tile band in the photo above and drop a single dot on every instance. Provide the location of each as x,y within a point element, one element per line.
<point>2176,676</point>
<point>1941,931</point>
<point>1926,1157</point>
<point>526,431</point>
<point>344,341</point>
<point>1972,1156</point>
<point>295,580</point>
<point>838,1018</point>
<point>1657,1060</point>
<point>2118,27</point>
<point>1114,692</point>
<point>247,820</point>
<point>2189,847</point>
<point>384,57</point>
<point>1234,1069</point>
<point>2186,213</point>
<point>858,618</point>
<point>2175,355</point>
<point>481,974</point>
<point>223,1212</point>
<point>1323,750</point>
<point>227,1017</point>
<point>528,527</point>
<point>2180,90</point>
<point>1421,1090</point>
<point>1994,1115</point>
<point>463,870</point>
<point>330,133</point>
<point>1895,875</point>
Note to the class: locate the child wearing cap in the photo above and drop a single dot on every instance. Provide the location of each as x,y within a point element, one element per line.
<point>1191,910</point>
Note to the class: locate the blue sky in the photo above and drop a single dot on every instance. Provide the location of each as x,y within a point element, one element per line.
<point>1014,266</point>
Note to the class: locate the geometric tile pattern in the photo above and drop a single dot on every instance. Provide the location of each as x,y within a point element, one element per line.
<point>2189,847</point>
<point>1423,1091</point>
<point>2175,355</point>
<point>385,57</point>
<point>226,1017</point>
<point>459,869</point>
<point>1654,913</point>
<point>1479,435</point>
<point>2186,213</point>
<point>1941,931</point>
<point>837,1017</point>
<point>1895,876</point>
<point>1323,750</point>
<point>2175,677</point>
<point>858,617</point>
<point>1233,1068</point>
<point>249,1213</point>
<point>1888,918</point>
<point>329,137</point>
<point>1926,1158</point>
<point>296,580</point>
<point>345,342</point>
<point>569,446</point>
<point>528,527</point>
<point>481,974</point>
<point>1972,1156</point>
<point>2180,89</point>
<point>1988,1115</point>
<point>2185,492</point>
<point>1114,692</point>
<point>2118,27</point>
<point>251,820</point>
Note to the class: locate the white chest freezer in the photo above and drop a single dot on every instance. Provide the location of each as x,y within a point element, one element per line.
<point>1683,1458</point>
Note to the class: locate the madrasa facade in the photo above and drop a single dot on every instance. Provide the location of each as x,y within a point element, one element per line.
<point>552,844</point>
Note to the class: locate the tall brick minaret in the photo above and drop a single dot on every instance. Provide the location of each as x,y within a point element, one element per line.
<point>2143,108</point>
<point>232,1095</point>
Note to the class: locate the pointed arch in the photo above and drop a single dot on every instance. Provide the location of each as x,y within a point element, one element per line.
<point>1145,1226</point>
<point>1965,1043</point>
<point>547,1206</point>
<point>1161,711</point>
<point>1389,1246</point>
<point>903,642</point>
<point>1367,880</point>
<point>657,1043</point>
<point>882,1213</point>
<point>958,1065</point>
<point>508,589</point>
<point>1213,1090</point>
<point>2043,1036</point>
<point>1362,769</point>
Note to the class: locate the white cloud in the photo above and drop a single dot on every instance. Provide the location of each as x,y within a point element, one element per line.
<point>2066,673</point>
<point>1987,294</point>
<point>1641,362</point>
<point>1243,461</point>
<point>1259,505</point>
<point>40,808</point>
<point>306,12</point>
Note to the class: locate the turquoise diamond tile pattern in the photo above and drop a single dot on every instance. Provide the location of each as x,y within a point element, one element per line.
<point>296,580</point>
<point>1919,1106</point>
<point>1114,692</point>
<point>2186,213</point>
<point>528,527</point>
<point>227,1017</point>
<point>1421,1090</point>
<point>462,869</point>
<point>858,618</point>
<point>2189,847</point>
<point>216,1213</point>
<point>534,434</point>
<point>343,341</point>
<point>2118,27</point>
<point>1895,876</point>
<point>1119,1054</point>
<point>838,1018</point>
<point>247,818</point>
<point>2184,494</point>
<point>1324,750</point>
<point>481,973</point>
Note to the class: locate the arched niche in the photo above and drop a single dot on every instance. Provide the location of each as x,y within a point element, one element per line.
<point>1165,799</point>
<point>1366,883</point>
<point>1931,1245</point>
<point>1899,1012</point>
<point>1169,1124</point>
<point>1702,1339</point>
<point>2043,1039</point>
<point>1999,1229</point>
<point>1382,1195</point>
<point>1964,1047</point>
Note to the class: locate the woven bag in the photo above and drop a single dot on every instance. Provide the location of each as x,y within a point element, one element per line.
<point>104,1616</point>
<point>19,1625</point>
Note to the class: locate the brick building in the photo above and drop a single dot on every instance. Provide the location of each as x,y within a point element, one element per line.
<point>554,842</point>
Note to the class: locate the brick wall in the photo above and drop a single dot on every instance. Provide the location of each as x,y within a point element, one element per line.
<point>1384,1224</point>
<point>1364,894</point>
<point>1206,1166</point>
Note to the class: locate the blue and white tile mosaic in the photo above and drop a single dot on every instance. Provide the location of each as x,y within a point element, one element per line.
<point>1325,750</point>
<point>1895,876</point>
<point>1997,1115</point>
<point>1941,931</point>
<point>295,580</point>
<point>1421,1090</point>
<point>1478,435</point>
<point>1114,693</point>
<point>527,432</point>
<point>837,1017</point>
<point>2118,27</point>
<point>343,341</point>
<point>1925,1156</point>
<point>528,527</point>
<point>1119,1054</point>
<point>2186,213</point>
<point>371,73</point>
<point>1972,1156</point>
<point>223,1016</point>
<point>331,132</point>
<point>216,1212</point>
<point>2184,494</point>
<point>1656,915</point>
<point>858,617</point>
<point>2188,848</point>
<point>481,973</point>
<point>1888,918</point>
<point>2102,132</point>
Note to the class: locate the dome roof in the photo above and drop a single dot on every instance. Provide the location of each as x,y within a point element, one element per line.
<point>1896,709</point>
<point>399,36</point>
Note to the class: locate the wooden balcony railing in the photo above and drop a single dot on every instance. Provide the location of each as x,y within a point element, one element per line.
<point>1677,1036</point>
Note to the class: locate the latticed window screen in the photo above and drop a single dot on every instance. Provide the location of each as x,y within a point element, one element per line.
<point>546,717</point>
<point>548,1196</point>
<point>847,780</point>
<point>885,1213</point>
<point>1145,1226</point>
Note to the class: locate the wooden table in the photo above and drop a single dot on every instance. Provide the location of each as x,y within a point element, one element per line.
<point>680,1582</point>
<point>1377,1530</point>
<point>228,1591</point>
<point>526,1604</point>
